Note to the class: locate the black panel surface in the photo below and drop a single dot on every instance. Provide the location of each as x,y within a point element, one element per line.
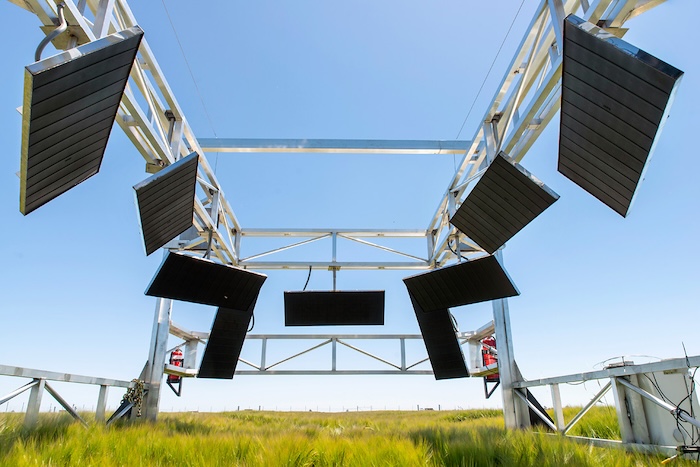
<point>166,202</point>
<point>70,102</point>
<point>504,200</point>
<point>441,342</point>
<point>461,284</point>
<point>615,99</point>
<point>225,343</point>
<point>326,308</point>
<point>200,280</point>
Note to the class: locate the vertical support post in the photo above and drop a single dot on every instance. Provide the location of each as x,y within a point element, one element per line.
<point>190,354</point>
<point>334,341</point>
<point>157,357</point>
<point>621,408</point>
<point>101,403</point>
<point>630,413</point>
<point>507,368</point>
<point>490,140</point>
<point>32,414</point>
<point>263,352</point>
<point>237,245</point>
<point>431,244</point>
<point>558,409</point>
<point>403,354</point>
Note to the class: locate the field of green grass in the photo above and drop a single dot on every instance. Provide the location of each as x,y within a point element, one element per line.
<point>431,438</point>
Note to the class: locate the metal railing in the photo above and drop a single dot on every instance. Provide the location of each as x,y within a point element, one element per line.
<point>39,383</point>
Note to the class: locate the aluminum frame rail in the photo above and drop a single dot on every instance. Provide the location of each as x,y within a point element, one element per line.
<point>524,103</point>
<point>39,384</point>
<point>300,237</point>
<point>332,341</point>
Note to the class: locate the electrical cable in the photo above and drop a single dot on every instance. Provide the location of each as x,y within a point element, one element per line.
<point>194,81</point>
<point>307,279</point>
<point>455,252</point>
<point>490,68</point>
<point>455,325</point>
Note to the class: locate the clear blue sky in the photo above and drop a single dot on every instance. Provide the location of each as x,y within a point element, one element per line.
<point>594,285</point>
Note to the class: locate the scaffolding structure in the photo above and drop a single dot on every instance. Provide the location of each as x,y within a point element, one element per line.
<point>524,103</point>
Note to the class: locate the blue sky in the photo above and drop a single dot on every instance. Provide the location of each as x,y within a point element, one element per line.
<point>593,285</point>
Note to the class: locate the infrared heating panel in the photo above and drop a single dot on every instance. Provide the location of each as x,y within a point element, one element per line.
<point>166,202</point>
<point>70,103</point>
<point>615,100</point>
<point>225,343</point>
<point>199,280</point>
<point>441,342</point>
<point>504,200</point>
<point>463,283</point>
<point>330,308</point>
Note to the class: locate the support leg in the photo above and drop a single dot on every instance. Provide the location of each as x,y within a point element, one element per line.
<point>32,415</point>
<point>101,404</point>
<point>515,412</point>
<point>558,409</point>
<point>156,357</point>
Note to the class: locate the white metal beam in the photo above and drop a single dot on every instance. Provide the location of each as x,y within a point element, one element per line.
<point>335,146</point>
<point>6,370</point>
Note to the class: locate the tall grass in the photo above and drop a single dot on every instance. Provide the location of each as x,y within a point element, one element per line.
<point>465,438</point>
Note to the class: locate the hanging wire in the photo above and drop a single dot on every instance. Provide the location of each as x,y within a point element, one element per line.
<point>307,279</point>
<point>490,68</point>
<point>194,81</point>
<point>252,322</point>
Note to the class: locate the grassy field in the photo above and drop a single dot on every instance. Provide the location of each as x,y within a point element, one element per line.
<point>470,438</point>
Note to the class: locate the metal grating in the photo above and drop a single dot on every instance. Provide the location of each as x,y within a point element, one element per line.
<point>166,202</point>
<point>615,100</point>
<point>441,342</point>
<point>330,308</point>
<point>504,200</point>
<point>463,283</point>
<point>70,102</point>
<point>225,343</point>
<point>199,280</point>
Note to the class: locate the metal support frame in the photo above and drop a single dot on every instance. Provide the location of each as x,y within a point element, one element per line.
<point>332,341</point>
<point>39,384</point>
<point>153,371</point>
<point>522,106</point>
<point>623,380</point>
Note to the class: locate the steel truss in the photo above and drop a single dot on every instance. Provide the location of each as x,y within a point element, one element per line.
<point>522,106</point>
<point>331,342</point>
<point>623,381</point>
<point>39,383</point>
<point>524,103</point>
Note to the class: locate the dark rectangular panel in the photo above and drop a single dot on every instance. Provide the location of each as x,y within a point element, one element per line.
<point>225,343</point>
<point>199,280</point>
<point>441,342</point>
<point>615,100</point>
<point>463,283</point>
<point>166,202</point>
<point>70,102</point>
<point>504,200</point>
<point>328,308</point>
